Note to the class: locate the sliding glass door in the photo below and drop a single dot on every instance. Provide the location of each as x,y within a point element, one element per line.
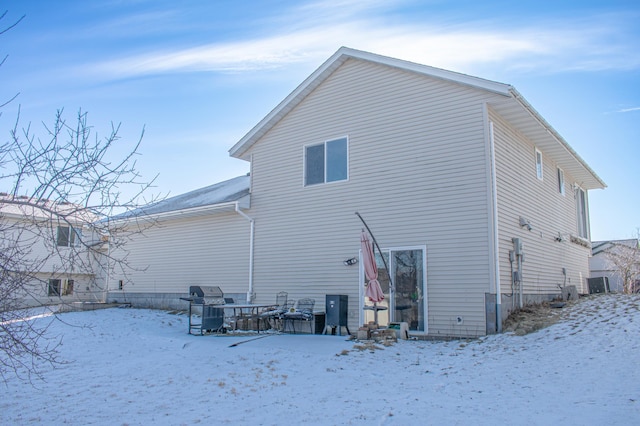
<point>405,293</point>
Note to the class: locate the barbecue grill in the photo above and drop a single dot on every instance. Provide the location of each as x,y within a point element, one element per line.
<point>206,309</point>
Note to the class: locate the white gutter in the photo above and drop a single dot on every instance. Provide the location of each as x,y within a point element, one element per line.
<point>192,211</point>
<point>494,213</point>
<point>251,238</point>
<point>544,124</point>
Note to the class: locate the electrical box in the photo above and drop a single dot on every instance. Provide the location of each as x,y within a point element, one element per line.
<point>517,246</point>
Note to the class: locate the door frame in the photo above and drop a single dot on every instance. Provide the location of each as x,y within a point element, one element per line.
<point>361,280</point>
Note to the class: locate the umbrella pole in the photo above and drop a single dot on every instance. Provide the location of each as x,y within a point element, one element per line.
<point>375,243</point>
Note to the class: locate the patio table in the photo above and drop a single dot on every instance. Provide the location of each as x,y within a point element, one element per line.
<point>246,311</point>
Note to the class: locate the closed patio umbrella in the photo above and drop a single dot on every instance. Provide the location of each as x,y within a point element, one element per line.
<point>373,290</point>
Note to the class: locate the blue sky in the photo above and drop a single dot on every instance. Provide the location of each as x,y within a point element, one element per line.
<point>197,75</point>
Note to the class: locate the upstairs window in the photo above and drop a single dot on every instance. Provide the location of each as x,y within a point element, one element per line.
<point>583,224</point>
<point>326,162</point>
<point>560,181</point>
<point>54,287</point>
<point>538,164</point>
<point>68,236</point>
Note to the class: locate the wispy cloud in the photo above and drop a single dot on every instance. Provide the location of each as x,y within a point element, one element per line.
<point>629,109</point>
<point>313,33</point>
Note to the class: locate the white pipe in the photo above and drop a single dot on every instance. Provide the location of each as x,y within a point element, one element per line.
<point>494,196</point>
<point>105,295</point>
<point>251,238</point>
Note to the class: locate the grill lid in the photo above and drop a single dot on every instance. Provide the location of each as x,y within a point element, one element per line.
<point>209,295</point>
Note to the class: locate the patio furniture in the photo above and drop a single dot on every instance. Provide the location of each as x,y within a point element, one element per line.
<point>272,314</point>
<point>302,313</point>
<point>246,316</point>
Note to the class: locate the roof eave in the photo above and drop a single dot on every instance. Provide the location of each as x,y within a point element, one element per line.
<point>240,149</point>
<point>228,206</point>
<point>593,181</point>
<point>287,104</point>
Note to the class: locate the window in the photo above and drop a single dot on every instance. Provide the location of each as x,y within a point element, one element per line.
<point>54,287</point>
<point>326,162</point>
<point>68,236</point>
<point>583,224</point>
<point>538,164</point>
<point>560,181</point>
<point>68,288</point>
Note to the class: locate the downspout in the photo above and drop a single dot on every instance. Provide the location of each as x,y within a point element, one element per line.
<point>494,214</point>
<point>105,296</point>
<point>251,238</point>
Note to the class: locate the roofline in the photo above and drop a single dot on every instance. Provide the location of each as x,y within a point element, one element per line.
<point>330,65</point>
<point>339,57</point>
<point>177,213</point>
<point>469,80</point>
<point>536,116</point>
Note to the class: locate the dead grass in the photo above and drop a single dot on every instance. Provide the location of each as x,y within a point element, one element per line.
<point>534,317</point>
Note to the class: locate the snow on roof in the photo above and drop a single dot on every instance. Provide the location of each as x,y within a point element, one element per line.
<point>600,246</point>
<point>225,192</point>
<point>39,209</point>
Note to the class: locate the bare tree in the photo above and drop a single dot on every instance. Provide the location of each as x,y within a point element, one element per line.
<point>623,257</point>
<point>55,223</point>
<point>59,192</point>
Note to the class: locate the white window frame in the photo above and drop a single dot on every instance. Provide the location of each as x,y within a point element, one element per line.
<point>582,211</point>
<point>539,164</point>
<point>54,287</point>
<point>74,236</point>
<point>425,286</point>
<point>561,185</point>
<point>68,287</point>
<point>326,162</point>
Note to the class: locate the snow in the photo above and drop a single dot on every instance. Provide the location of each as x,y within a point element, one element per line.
<point>140,367</point>
<point>222,192</point>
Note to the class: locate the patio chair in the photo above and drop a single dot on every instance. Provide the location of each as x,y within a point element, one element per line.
<point>302,313</point>
<point>274,313</point>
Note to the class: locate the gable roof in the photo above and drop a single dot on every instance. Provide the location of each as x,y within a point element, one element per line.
<point>220,196</point>
<point>598,247</point>
<point>513,107</point>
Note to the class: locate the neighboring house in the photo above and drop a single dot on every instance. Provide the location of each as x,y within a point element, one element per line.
<point>467,189</point>
<point>44,246</point>
<point>613,259</point>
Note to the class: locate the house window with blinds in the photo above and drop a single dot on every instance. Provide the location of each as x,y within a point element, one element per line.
<point>326,162</point>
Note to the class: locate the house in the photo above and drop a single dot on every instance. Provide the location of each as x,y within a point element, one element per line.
<point>45,255</point>
<point>616,259</point>
<point>469,192</point>
<point>202,237</point>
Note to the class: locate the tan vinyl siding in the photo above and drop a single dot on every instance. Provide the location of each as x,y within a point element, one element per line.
<point>417,174</point>
<point>203,250</point>
<point>521,193</point>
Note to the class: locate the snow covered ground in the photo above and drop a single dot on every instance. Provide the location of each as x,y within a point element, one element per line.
<point>140,367</point>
